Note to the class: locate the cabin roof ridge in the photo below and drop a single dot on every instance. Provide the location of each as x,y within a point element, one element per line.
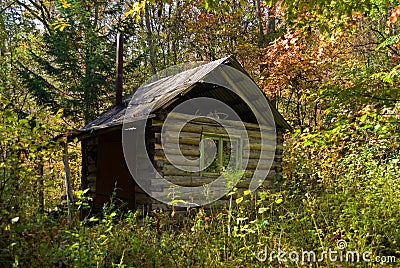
<point>160,91</point>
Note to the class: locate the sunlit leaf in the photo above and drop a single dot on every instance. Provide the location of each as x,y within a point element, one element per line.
<point>14,220</point>
<point>262,210</point>
<point>239,200</point>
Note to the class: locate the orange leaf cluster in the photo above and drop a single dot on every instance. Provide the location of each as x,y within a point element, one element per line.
<point>392,19</point>
<point>298,69</point>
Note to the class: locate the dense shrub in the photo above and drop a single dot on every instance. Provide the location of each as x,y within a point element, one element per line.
<point>358,205</point>
<point>340,186</point>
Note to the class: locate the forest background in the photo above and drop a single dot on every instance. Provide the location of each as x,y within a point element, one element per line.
<point>331,68</point>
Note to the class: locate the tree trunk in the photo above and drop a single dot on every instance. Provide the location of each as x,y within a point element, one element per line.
<point>150,40</point>
<point>260,24</point>
<point>67,181</point>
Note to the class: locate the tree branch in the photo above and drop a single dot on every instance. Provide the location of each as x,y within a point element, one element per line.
<point>388,46</point>
<point>381,99</point>
<point>35,13</point>
<point>5,8</point>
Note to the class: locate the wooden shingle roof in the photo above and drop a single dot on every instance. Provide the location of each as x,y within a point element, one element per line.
<point>158,93</point>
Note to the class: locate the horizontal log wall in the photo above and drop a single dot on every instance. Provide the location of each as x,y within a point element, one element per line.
<point>189,139</point>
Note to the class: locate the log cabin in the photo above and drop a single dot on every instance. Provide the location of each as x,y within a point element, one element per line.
<point>105,169</point>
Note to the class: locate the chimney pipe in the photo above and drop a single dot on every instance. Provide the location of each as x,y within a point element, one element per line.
<point>120,59</point>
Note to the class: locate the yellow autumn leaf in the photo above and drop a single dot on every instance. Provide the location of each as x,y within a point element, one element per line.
<point>279,200</point>
<point>60,25</point>
<point>239,200</point>
<point>65,4</point>
<point>135,11</point>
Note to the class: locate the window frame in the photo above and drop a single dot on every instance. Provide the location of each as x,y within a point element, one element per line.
<point>221,138</point>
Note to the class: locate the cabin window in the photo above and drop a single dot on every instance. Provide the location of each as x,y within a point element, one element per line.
<point>228,154</point>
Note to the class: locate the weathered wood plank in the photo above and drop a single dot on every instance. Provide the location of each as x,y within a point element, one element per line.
<point>171,170</point>
<point>252,146</point>
<point>191,151</point>
<point>170,146</point>
<point>181,117</point>
<point>183,139</point>
<point>195,132</point>
<point>161,161</point>
<point>263,164</point>
<point>192,181</point>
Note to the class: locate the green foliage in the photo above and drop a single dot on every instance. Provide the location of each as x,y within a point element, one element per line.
<point>358,203</point>
<point>334,74</point>
<point>75,63</point>
<point>336,12</point>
